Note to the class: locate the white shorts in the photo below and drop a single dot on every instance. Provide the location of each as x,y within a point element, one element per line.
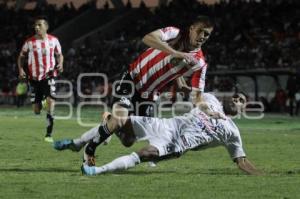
<point>163,134</point>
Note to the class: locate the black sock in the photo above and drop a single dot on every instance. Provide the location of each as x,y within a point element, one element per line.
<point>104,134</point>
<point>50,123</point>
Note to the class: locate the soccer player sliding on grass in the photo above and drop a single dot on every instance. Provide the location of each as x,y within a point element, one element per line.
<point>169,138</point>
<point>172,53</point>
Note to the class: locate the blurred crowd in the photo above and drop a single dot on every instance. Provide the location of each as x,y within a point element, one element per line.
<point>247,35</point>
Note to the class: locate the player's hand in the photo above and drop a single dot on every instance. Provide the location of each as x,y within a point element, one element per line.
<point>186,88</point>
<point>217,115</point>
<point>187,57</point>
<point>190,59</point>
<point>60,68</point>
<point>22,74</point>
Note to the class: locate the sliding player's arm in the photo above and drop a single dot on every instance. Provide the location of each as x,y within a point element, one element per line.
<point>198,84</point>
<point>245,165</point>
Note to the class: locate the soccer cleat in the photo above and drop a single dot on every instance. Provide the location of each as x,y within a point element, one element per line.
<point>48,139</point>
<point>65,144</point>
<point>87,170</point>
<point>152,164</point>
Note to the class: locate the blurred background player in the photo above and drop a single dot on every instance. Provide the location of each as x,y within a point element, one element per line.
<point>42,50</point>
<point>173,53</point>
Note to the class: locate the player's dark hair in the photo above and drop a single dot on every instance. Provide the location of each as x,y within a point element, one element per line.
<point>229,107</point>
<point>181,42</point>
<point>42,17</point>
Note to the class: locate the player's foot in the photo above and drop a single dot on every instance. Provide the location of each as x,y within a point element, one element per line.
<point>88,159</point>
<point>87,170</point>
<point>65,144</point>
<point>152,164</point>
<point>48,139</point>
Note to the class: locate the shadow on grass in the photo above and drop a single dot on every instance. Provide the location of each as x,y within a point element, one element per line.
<point>38,170</point>
<point>180,172</point>
<point>151,171</point>
<point>209,172</point>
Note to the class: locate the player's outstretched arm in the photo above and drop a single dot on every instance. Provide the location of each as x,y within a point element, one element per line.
<point>154,40</point>
<point>245,165</point>
<point>60,61</point>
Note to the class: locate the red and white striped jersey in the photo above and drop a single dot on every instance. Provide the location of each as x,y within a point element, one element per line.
<point>153,69</point>
<point>41,59</point>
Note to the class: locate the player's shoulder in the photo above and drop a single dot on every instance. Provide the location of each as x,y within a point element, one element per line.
<point>210,96</point>
<point>30,39</point>
<point>170,29</point>
<point>52,37</point>
<point>199,53</point>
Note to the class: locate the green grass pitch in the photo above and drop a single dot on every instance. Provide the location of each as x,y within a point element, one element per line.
<point>30,168</point>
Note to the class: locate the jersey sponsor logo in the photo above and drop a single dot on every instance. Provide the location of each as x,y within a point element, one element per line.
<point>184,141</point>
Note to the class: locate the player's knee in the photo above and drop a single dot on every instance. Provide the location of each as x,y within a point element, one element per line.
<point>127,142</point>
<point>112,124</point>
<point>119,111</point>
<point>148,154</point>
<point>115,123</point>
<point>37,111</point>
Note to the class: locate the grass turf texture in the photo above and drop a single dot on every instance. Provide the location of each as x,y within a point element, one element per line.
<point>30,168</point>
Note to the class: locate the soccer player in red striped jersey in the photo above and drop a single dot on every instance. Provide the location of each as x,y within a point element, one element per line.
<point>172,53</point>
<point>42,51</point>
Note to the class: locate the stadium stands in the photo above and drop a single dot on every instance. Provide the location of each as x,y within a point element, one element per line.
<point>248,35</point>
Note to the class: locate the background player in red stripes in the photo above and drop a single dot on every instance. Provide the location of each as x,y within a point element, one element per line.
<point>42,51</point>
<point>172,53</point>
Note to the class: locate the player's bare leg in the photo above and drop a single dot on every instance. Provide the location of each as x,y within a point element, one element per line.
<point>78,143</point>
<point>146,154</point>
<point>114,122</point>
<point>49,118</point>
<point>36,108</point>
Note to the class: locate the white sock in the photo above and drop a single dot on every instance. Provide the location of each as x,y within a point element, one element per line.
<point>87,136</point>
<point>121,163</point>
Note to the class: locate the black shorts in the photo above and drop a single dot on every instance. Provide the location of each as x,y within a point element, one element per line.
<point>127,96</point>
<point>42,89</point>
